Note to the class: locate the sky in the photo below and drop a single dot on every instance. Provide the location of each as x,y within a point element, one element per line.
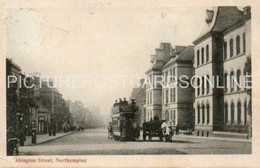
<point>96,42</point>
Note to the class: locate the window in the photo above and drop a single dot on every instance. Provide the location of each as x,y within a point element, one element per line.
<point>202,56</point>
<point>167,97</point>
<point>171,95</point>
<point>151,98</point>
<point>203,114</point>
<point>198,110</point>
<point>226,113</point>
<point>198,86</point>
<point>207,84</point>
<point>244,42</point>
<point>170,76</point>
<point>207,53</point>
<point>231,81</point>
<point>238,79</point>
<point>174,95</point>
<point>208,114</point>
<point>226,82</point>
<point>231,47</point>
<point>203,85</point>
<point>198,57</point>
<point>174,114</point>
<point>245,113</point>
<point>238,112</point>
<point>238,44</point>
<point>163,97</point>
<point>225,50</point>
<point>232,113</point>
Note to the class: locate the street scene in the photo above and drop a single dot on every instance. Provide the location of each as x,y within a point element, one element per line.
<point>169,85</point>
<point>95,142</point>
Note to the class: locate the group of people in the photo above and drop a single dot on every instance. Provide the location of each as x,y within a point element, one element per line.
<point>168,128</point>
<point>123,102</point>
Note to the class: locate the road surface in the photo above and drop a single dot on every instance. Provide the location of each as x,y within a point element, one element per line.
<point>95,142</point>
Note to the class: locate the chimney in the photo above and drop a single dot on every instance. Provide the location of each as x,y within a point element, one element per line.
<point>209,16</point>
<point>247,12</point>
<point>152,58</point>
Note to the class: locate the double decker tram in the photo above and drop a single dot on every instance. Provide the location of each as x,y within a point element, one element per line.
<point>123,122</point>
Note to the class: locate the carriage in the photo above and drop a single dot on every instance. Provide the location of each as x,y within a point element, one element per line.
<point>123,122</point>
<point>154,129</point>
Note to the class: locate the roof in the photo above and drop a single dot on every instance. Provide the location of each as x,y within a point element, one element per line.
<point>186,55</point>
<point>223,17</point>
<point>179,49</point>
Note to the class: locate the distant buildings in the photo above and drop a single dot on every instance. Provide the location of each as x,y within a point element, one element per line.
<point>138,94</point>
<point>33,107</point>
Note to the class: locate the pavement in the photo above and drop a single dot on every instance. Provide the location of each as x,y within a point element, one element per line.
<point>95,142</point>
<point>215,138</point>
<point>43,138</point>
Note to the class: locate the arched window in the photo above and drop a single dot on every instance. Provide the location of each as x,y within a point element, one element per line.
<point>238,44</point>
<point>244,42</point>
<point>226,113</point>
<point>226,82</point>
<point>238,79</point>
<point>198,86</point>
<point>238,112</point>
<point>207,84</point>
<point>208,114</point>
<point>203,85</point>
<point>231,47</point>
<point>198,113</point>
<point>244,82</point>
<point>232,113</point>
<point>225,50</point>
<point>202,56</point>
<point>203,113</point>
<point>207,53</point>
<point>231,81</point>
<point>198,57</point>
<point>245,113</point>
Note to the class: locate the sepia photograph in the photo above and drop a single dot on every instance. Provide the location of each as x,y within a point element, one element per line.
<point>130,81</point>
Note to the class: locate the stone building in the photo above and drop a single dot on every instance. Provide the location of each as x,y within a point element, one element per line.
<point>177,100</point>
<point>154,94</point>
<point>169,100</point>
<point>221,52</point>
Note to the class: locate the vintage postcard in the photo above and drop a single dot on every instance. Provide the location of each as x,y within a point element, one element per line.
<point>133,84</point>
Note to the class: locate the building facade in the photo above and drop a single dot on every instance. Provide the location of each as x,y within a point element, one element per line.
<point>154,93</point>
<point>221,52</point>
<point>177,100</point>
<point>168,100</point>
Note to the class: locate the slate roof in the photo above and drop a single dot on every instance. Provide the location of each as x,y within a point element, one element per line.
<point>186,55</point>
<point>224,16</point>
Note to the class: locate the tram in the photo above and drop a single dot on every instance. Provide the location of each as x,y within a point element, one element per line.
<point>123,122</point>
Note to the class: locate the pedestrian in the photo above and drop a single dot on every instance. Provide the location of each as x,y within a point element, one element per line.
<point>125,102</point>
<point>110,131</point>
<point>116,103</point>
